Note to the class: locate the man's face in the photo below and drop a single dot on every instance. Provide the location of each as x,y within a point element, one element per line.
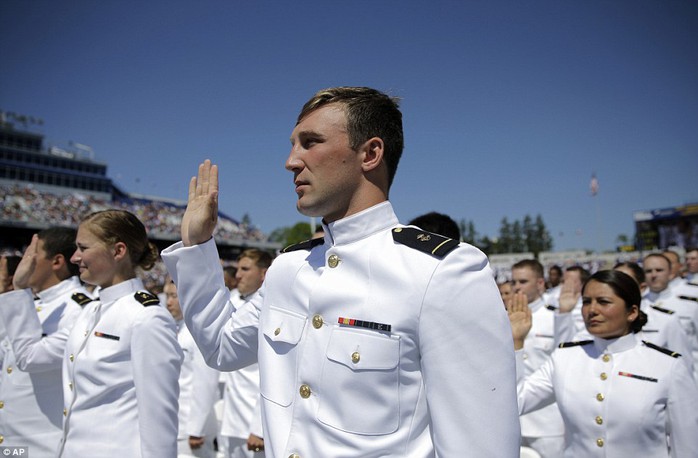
<point>172,301</point>
<point>554,277</point>
<point>249,276</point>
<point>524,280</point>
<point>326,171</point>
<point>657,273</point>
<point>692,261</point>
<point>675,264</point>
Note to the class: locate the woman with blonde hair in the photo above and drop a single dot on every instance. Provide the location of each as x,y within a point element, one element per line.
<point>122,360</point>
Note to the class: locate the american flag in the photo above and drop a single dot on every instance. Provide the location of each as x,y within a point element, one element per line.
<point>594,185</point>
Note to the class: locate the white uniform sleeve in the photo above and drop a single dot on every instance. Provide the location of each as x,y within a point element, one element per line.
<point>565,329</point>
<point>34,352</point>
<point>683,413</point>
<point>227,343</point>
<point>157,358</point>
<point>256,424</point>
<point>467,360</point>
<point>205,384</point>
<point>537,390</point>
<point>677,341</point>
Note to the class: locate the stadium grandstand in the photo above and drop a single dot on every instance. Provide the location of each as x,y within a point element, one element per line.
<point>51,186</point>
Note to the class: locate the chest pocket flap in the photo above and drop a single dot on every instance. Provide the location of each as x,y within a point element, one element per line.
<point>363,351</point>
<point>283,326</point>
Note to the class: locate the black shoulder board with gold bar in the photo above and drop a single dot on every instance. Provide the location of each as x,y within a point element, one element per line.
<point>688,298</point>
<point>146,298</point>
<point>662,309</point>
<point>427,242</point>
<point>666,351</point>
<point>575,344</point>
<point>307,245</point>
<point>81,298</point>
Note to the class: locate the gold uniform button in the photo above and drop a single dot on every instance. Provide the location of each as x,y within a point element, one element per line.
<point>606,358</point>
<point>317,321</point>
<point>86,332</point>
<point>9,370</point>
<point>304,391</point>
<point>277,331</point>
<point>71,357</point>
<point>294,455</point>
<point>599,420</point>
<point>599,442</point>
<point>39,308</point>
<point>65,412</point>
<point>2,439</point>
<point>600,397</point>
<point>603,376</point>
<point>333,261</point>
<point>355,357</point>
<point>2,404</point>
<point>70,385</point>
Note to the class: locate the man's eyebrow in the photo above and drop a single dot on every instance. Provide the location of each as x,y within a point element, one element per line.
<point>307,133</point>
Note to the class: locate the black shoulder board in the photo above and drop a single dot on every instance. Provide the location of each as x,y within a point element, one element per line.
<point>662,309</point>
<point>552,308</point>
<point>428,242</point>
<point>81,298</point>
<point>689,298</point>
<point>307,245</point>
<point>146,298</point>
<point>666,351</point>
<point>575,344</point>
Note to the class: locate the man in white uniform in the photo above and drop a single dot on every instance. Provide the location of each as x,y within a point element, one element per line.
<point>658,276</point>
<point>198,385</point>
<point>31,391</point>
<point>241,409</point>
<point>377,340</point>
<point>542,430</point>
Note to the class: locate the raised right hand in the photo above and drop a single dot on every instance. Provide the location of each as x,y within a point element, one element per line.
<point>520,318</point>
<point>569,295</point>
<point>26,266</point>
<point>201,215</point>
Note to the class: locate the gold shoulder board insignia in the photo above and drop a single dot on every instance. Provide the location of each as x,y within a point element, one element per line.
<point>575,344</point>
<point>306,245</point>
<point>666,351</point>
<point>81,298</point>
<point>146,298</point>
<point>427,242</point>
<point>662,309</point>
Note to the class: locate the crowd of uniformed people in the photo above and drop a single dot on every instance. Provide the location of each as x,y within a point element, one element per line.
<point>375,339</point>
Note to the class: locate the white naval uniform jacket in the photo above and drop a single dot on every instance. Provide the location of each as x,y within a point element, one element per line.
<point>31,394</point>
<point>198,387</point>
<point>619,398</point>
<point>241,410</point>
<point>687,312</point>
<point>120,378</point>
<point>431,374</point>
<point>538,346</point>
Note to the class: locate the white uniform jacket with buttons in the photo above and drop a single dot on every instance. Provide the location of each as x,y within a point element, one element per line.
<point>686,310</point>
<point>31,396</point>
<point>367,347</point>
<point>120,378</point>
<point>241,395</point>
<point>538,346</point>
<point>198,388</point>
<point>619,398</point>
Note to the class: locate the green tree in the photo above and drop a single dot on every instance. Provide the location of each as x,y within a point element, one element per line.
<point>467,231</point>
<point>299,232</point>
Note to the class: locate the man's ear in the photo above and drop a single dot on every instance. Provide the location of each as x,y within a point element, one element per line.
<point>373,150</point>
<point>58,262</point>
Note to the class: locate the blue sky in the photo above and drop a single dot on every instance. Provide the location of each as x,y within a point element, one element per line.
<point>509,107</point>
